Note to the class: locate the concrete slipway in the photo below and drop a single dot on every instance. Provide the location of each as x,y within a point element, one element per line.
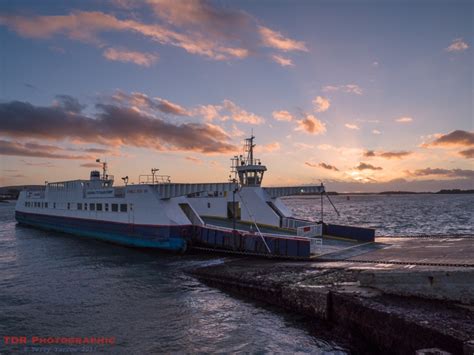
<point>396,296</point>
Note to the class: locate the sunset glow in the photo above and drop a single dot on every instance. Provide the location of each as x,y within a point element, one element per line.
<point>365,96</point>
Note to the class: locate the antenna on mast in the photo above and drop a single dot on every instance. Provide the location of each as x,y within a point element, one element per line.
<point>104,168</point>
<point>153,172</point>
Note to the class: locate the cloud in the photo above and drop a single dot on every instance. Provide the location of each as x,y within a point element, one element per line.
<point>97,150</point>
<point>201,18</point>
<point>85,26</point>
<point>276,40</point>
<point>328,166</point>
<point>352,126</point>
<point>303,146</point>
<point>68,104</point>
<point>347,88</point>
<point>453,139</point>
<point>240,115</point>
<point>170,107</point>
<point>125,56</point>
<point>387,155</point>
<point>209,112</point>
<point>404,120</point>
<point>225,111</point>
<point>394,155</point>
<point>30,86</point>
<point>268,148</point>
<point>310,124</point>
<point>468,153</point>
<point>284,62</point>
<point>90,165</point>
<point>367,121</point>
<point>236,132</point>
<point>282,116</point>
<point>143,102</point>
<point>376,131</point>
<point>365,166</point>
<point>200,13</point>
<point>111,125</point>
<point>193,160</point>
<point>321,104</point>
<point>453,173</point>
<point>195,26</point>
<point>457,45</point>
<point>14,148</point>
<point>46,164</point>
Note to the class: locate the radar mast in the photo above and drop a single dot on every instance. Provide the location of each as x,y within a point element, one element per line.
<point>248,169</point>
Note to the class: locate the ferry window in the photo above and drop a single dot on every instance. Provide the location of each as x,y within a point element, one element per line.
<point>79,206</point>
<point>54,204</point>
<point>123,207</point>
<point>208,205</point>
<point>92,206</point>
<point>26,204</point>
<point>45,205</point>
<point>106,207</point>
<point>85,206</point>
<point>114,207</point>
<point>98,206</point>
<point>68,206</point>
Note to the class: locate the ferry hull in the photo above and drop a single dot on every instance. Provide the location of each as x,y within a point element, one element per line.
<point>172,238</point>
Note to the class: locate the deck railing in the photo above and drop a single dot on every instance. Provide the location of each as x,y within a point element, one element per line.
<point>154,179</point>
<point>294,223</point>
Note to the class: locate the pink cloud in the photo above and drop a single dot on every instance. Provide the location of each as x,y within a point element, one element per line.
<point>125,56</point>
<point>113,126</point>
<point>352,126</point>
<point>310,124</point>
<point>276,40</point>
<point>284,62</point>
<point>282,116</point>
<point>457,45</point>
<point>347,88</point>
<point>321,104</point>
<point>404,119</point>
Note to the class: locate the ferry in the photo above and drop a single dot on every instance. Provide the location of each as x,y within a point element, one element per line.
<point>238,215</point>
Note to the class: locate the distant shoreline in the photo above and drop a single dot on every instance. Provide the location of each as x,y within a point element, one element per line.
<point>440,192</point>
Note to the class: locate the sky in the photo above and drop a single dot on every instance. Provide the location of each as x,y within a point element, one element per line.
<point>365,96</point>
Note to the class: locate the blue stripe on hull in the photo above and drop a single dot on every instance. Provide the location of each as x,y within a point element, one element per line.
<point>157,237</point>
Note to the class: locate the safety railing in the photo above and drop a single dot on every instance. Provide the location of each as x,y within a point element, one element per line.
<point>311,231</point>
<point>154,179</point>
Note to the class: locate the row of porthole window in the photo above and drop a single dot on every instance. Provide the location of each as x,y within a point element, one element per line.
<point>114,207</point>
<point>36,204</point>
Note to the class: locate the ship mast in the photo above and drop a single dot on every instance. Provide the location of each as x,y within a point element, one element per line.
<point>248,169</point>
<point>105,176</point>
